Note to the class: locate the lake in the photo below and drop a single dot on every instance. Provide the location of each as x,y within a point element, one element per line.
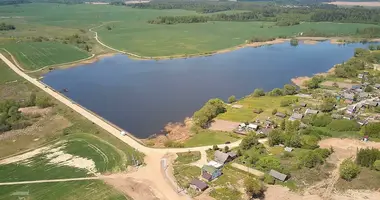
<point>141,96</point>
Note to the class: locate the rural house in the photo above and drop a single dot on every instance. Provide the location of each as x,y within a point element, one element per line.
<point>303,104</point>
<point>222,158</point>
<point>296,116</point>
<point>277,175</point>
<point>349,96</point>
<point>198,185</point>
<point>252,127</point>
<point>282,115</point>
<point>311,112</point>
<point>210,173</point>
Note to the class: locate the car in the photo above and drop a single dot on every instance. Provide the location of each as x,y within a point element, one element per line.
<point>228,142</point>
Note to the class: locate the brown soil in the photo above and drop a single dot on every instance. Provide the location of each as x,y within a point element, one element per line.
<point>310,42</point>
<point>89,61</point>
<point>35,110</point>
<point>349,3</point>
<point>299,81</point>
<point>340,84</point>
<point>223,125</point>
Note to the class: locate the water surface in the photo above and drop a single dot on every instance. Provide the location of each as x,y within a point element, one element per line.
<point>141,96</point>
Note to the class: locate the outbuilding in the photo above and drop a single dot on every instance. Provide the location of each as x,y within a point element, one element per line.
<point>282,115</point>
<point>277,175</point>
<point>198,185</point>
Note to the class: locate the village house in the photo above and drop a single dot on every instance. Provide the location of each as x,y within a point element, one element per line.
<point>210,173</point>
<point>222,157</point>
<point>198,185</point>
<point>295,116</point>
<point>252,127</point>
<point>351,109</point>
<point>277,175</point>
<point>303,104</point>
<point>371,103</point>
<point>264,131</point>
<point>281,115</point>
<point>363,95</point>
<point>311,112</point>
<point>349,96</point>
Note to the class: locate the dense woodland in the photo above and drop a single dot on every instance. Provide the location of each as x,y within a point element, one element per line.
<point>6,27</point>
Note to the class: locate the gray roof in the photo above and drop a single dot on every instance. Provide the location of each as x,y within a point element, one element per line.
<point>303,104</point>
<point>220,157</point>
<point>277,175</point>
<point>199,184</point>
<point>363,94</point>
<point>232,154</point>
<point>282,115</point>
<point>311,111</point>
<point>296,116</point>
<point>372,103</point>
<point>348,96</point>
<point>377,85</point>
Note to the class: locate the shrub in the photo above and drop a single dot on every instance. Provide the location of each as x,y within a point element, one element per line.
<point>309,142</point>
<point>231,99</point>
<point>276,92</point>
<point>290,89</point>
<point>210,110</point>
<point>274,111</point>
<point>258,110</point>
<point>171,143</point>
<point>215,147</point>
<point>268,179</point>
<point>348,170</point>
<point>285,103</point>
<point>324,153</point>
<point>366,157</point>
<point>321,120</point>
<point>343,125</point>
<point>372,129</point>
<point>226,149</point>
<point>43,102</point>
<point>376,165</point>
<point>258,93</point>
<point>275,137</point>
<point>310,159</point>
<point>249,141</point>
<point>267,163</point>
<point>253,187</point>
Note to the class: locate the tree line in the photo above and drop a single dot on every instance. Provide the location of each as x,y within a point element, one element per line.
<point>6,27</point>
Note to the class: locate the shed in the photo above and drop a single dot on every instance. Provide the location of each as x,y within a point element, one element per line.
<point>282,115</point>
<point>354,87</point>
<point>303,104</point>
<point>278,175</point>
<point>198,185</point>
<point>349,96</point>
<point>212,171</point>
<point>252,127</point>
<point>221,157</point>
<point>233,155</point>
<point>311,112</point>
<point>363,94</point>
<point>296,116</point>
<point>288,149</point>
<point>265,131</point>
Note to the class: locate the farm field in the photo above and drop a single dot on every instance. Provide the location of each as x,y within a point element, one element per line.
<point>6,74</point>
<point>127,29</point>
<point>209,137</point>
<point>35,55</point>
<point>92,189</point>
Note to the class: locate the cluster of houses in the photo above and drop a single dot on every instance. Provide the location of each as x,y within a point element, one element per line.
<point>259,127</point>
<point>212,170</point>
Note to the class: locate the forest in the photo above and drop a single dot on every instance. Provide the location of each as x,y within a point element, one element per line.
<point>6,27</point>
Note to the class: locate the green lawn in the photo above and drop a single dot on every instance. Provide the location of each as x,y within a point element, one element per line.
<point>187,157</point>
<point>94,190</point>
<point>35,55</point>
<point>131,32</point>
<point>6,74</point>
<point>226,193</point>
<point>184,174</point>
<point>267,103</point>
<point>209,137</point>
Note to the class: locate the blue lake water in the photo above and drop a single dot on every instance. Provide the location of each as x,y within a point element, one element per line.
<point>141,96</point>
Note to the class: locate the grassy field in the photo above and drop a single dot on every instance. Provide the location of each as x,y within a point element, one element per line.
<point>366,180</point>
<point>267,103</point>
<point>35,55</point>
<point>6,74</point>
<point>210,137</point>
<point>184,174</point>
<point>94,190</point>
<point>187,157</point>
<point>131,32</point>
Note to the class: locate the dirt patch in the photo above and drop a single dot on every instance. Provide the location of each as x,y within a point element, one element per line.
<point>310,42</point>
<point>88,61</point>
<point>276,192</point>
<point>133,188</point>
<point>24,156</point>
<point>299,81</point>
<point>223,125</point>
<point>35,110</point>
<point>350,3</point>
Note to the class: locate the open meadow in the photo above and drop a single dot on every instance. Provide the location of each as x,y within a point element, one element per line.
<point>127,29</point>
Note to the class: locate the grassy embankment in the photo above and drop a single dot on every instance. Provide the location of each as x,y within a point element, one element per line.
<point>127,29</point>
<point>74,135</point>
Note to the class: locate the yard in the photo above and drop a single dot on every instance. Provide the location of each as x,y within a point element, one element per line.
<point>184,174</point>
<point>35,55</point>
<point>209,137</point>
<point>187,157</point>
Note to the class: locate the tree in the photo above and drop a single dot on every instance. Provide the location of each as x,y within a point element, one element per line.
<point>372,129</point>
<point>314,82</point>
<point>258,93</point>
<point>231,99</point>
<point>290,89</point>
<point>283,125</point>
<point>43,102</point>
<point>226,149</point>
<point>274,111</point>
<point>275,137</point>
<point>249,141</point>
<point>276,92</point>
<point>348,170</point>
<point>368,89</point>
<point>32,99</point>
<point>210,110</point>
<point>328,104</point>
<point>267,163</point>
<point>310,159</point>
<point>215,147</point>
<point>253,187</point>
<point>366,157</point>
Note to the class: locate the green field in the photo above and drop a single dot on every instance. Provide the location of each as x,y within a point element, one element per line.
<point>131,32</point>
<point>35,55</point>
<point>7,74</point>
<point>94,190</point>
<point>209,137</point>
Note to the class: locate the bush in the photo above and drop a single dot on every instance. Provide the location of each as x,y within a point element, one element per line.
<point>328,104</point>
<point>274,111</point>
<point>366,157</point>
<point>309,142</point>
<point>275,137</point>
<point>290,89</point>
<point>210,110</point>
<point>343,125</point>
<point>258,93</point>
<point>276,92</point>
<point>310,159</point>
<point>231,99</point>
<point>372,129</point>
<point>286,102</point>
<point>258,110</point>
<point>267,163</point>
<point>43,102</point>
<point>376,165</point>
<point>253,187</point>
<point>215,147</point>
<point>171,143</point>
<point>268,179</point>
<point>321,120</point>
<point>324,153</point>
<point>348,170</point>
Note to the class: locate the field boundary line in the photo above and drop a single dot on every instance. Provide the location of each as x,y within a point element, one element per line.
<point>47,66</point>
<point>49,181</point>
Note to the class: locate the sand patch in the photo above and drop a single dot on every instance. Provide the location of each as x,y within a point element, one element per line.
<point>340,84</point>
<point>35,110</point>
<point>310,42</point>
<point>22,157</point>
<point>300,81</point>
<point>223,125</point>
<point>352,3</point>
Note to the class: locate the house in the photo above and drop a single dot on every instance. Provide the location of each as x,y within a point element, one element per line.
<point>360,76</point>
<point>371,103</point>
<point>311,111</point>
<point>215,164</point>
<point>377,86</point>
<point>354,87</point>
<point>199,185</point>
<point>288,149</point>
<point>363,94</point>
<point>233,155</point>
<point>252,127</point>
<point>303,104</point>
<point>210,173</point>
<point>277,175</point>
<point>222,157</point>
<point>264,131</point>
<point>349,96</point>
<point>351,109</point>
<point>282,115</point>
<point>295,116</point>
